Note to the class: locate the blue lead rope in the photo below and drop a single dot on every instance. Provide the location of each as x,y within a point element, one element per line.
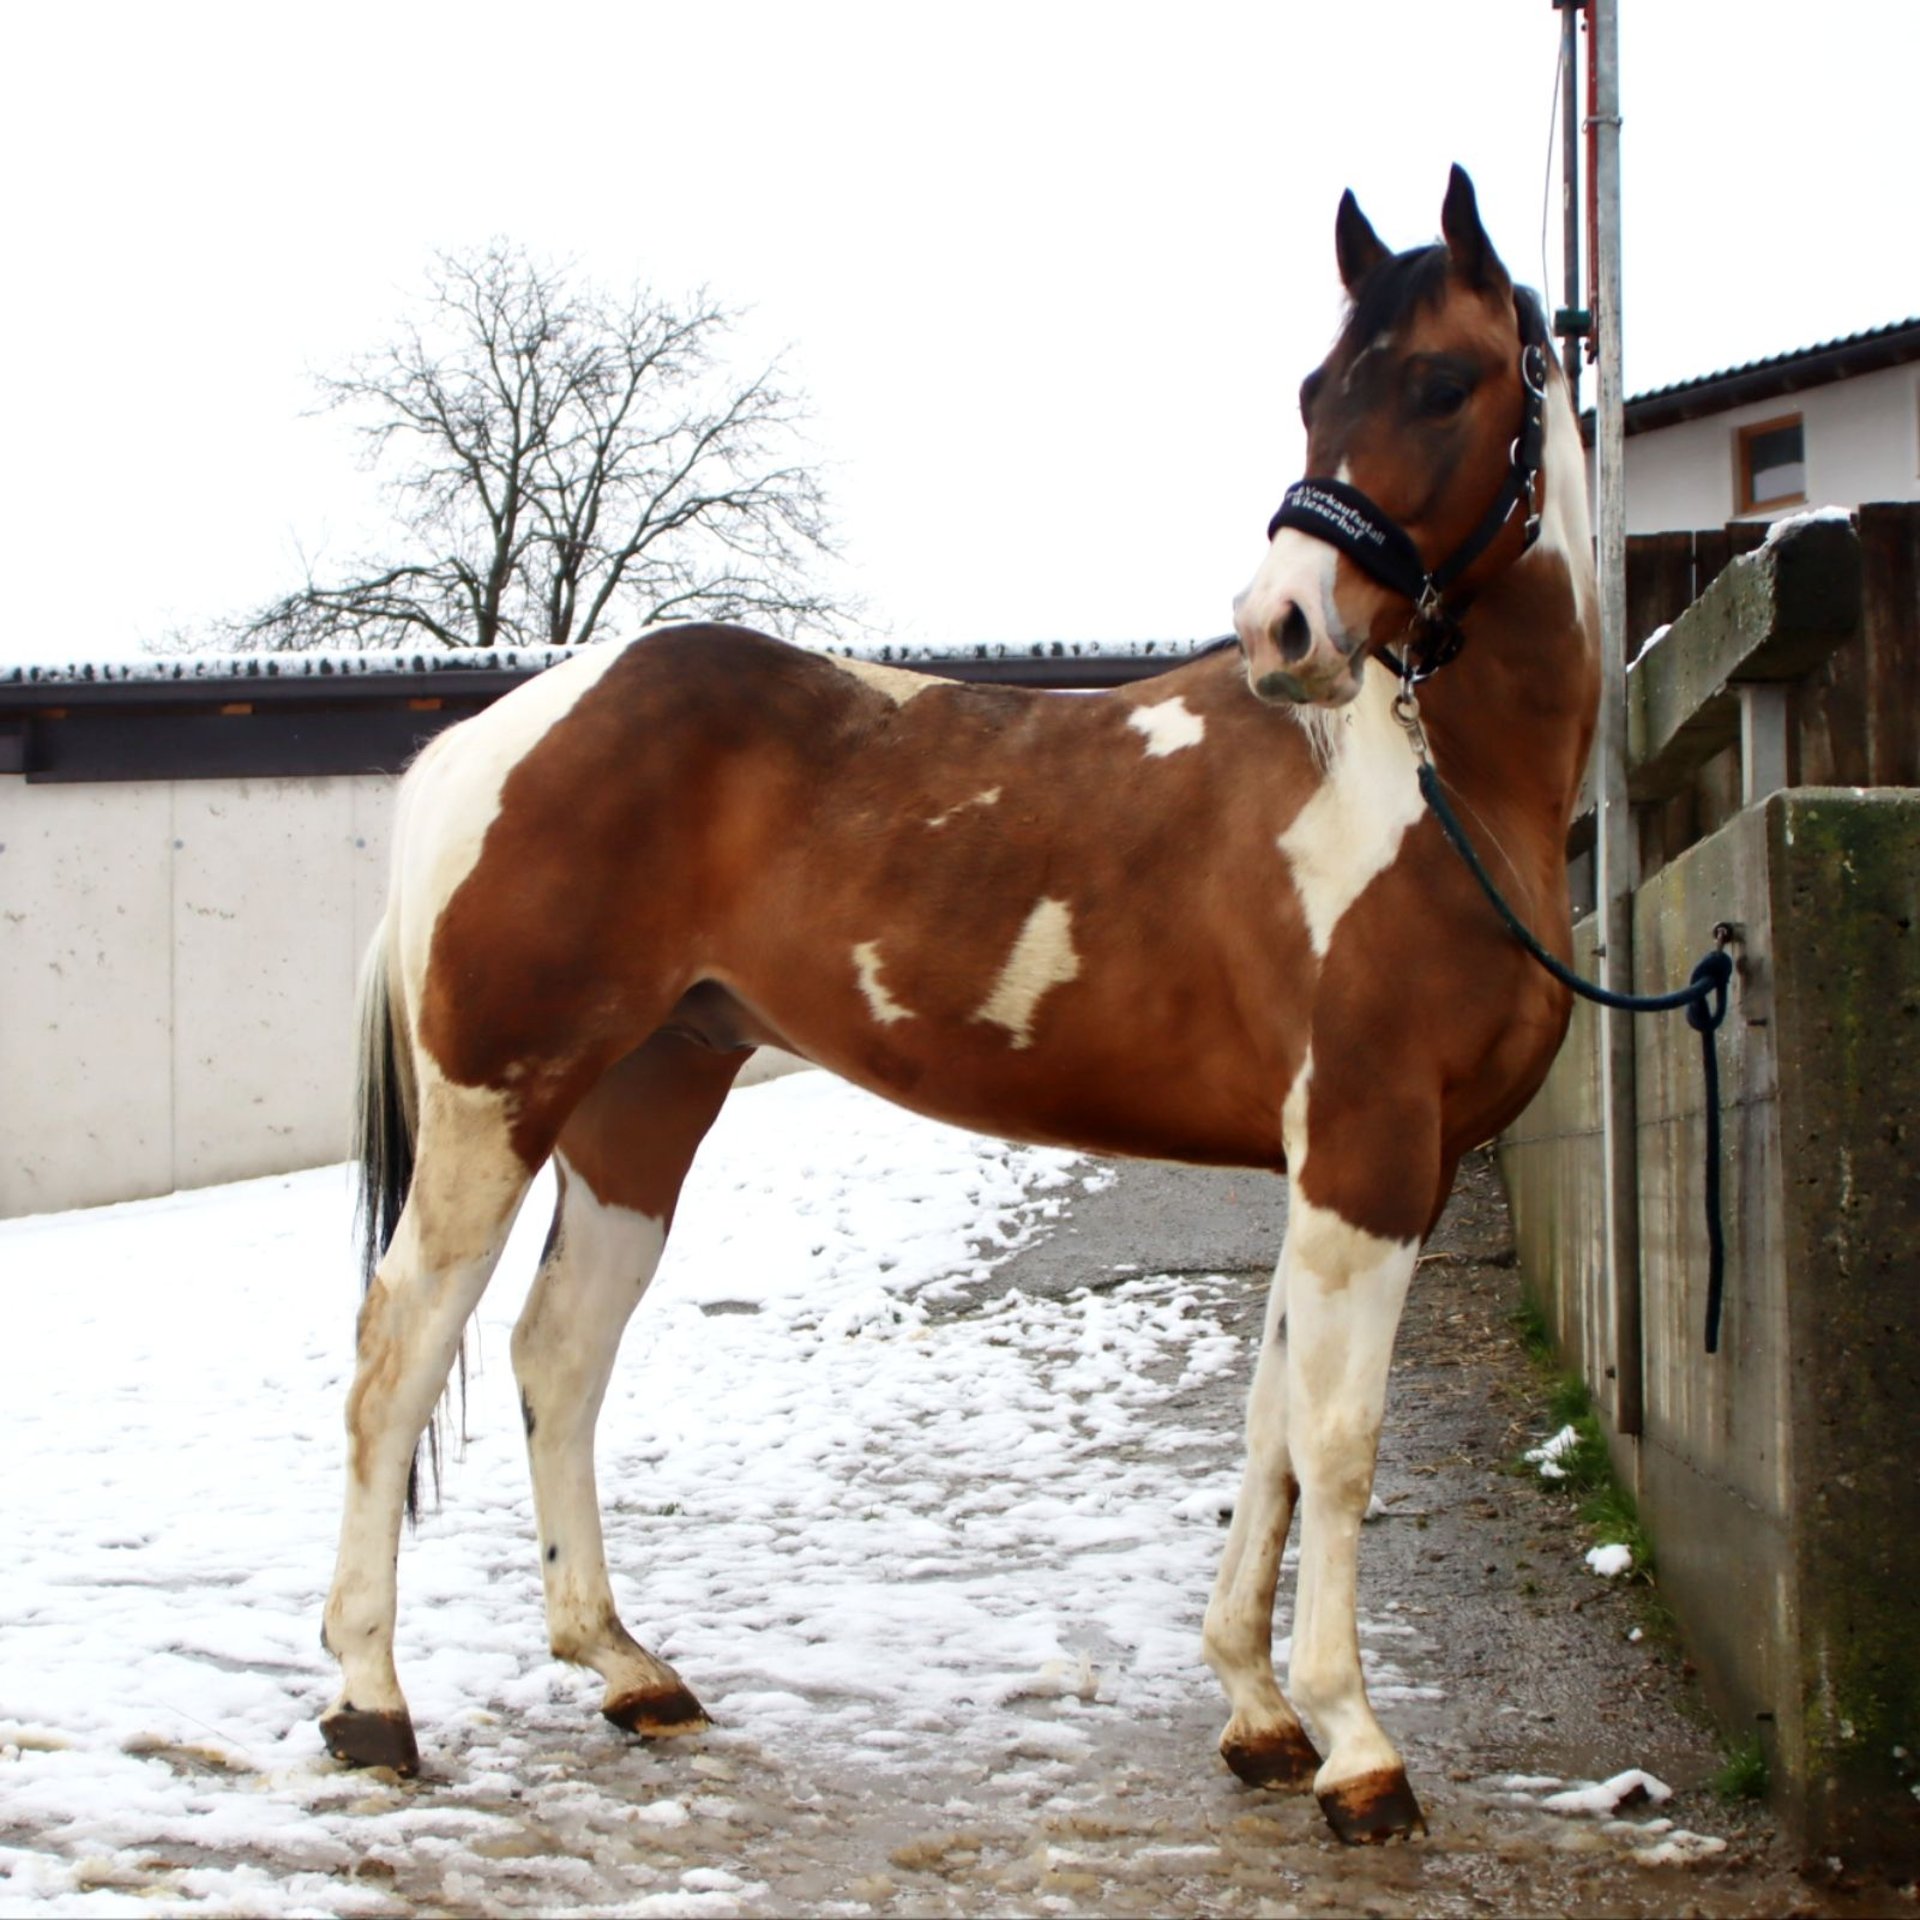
<point>1704,997</point>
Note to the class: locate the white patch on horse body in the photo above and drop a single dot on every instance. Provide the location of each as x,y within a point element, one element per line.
<point>1293,1117</point>
<point>1168,726</point>
<point>991,798</point>
<point>896,683</point>
<point>880,1003</point>
<point>1350,831</point>
<point>1042,959</point>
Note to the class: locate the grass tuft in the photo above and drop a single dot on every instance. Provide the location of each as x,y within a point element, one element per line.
<point>1530,1323</point>
<point>1744,1776</point>
<point>1607,1510</point>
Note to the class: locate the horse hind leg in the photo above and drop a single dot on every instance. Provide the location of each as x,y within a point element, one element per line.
<point>468,1181</point>
<point>621,1158</point>
<point>1264,1742</point>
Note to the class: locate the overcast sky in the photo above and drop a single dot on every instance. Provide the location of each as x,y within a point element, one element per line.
<point>1050,273</point>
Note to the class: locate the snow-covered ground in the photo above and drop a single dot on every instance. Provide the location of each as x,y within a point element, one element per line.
<point>853,1518</point>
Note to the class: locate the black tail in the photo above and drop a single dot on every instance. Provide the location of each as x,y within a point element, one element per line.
<point>383,1145</point>
<point>383,1122</point>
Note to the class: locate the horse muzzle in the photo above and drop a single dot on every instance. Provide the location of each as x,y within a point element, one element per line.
<point>1289,663</point>
<point>1298,650</point>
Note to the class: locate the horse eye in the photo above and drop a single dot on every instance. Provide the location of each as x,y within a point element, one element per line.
<point>1442,397</point>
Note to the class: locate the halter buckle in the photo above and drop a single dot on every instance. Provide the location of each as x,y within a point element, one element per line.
<point>1406,711</point>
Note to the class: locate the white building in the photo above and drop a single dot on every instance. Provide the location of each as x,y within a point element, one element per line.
<point>1830,425</point>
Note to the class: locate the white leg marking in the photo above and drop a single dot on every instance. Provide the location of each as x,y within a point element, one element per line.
<point>896,683</point>
<point>467,1187</point>
<point>880,1003</point>
<point>597,1267</point>
<point>1345,1289</point>
<point>1238,1637</point>
<point>1168,726</point>
<point>991,798</point>
<point>1350,831</point>
<point>1042,959</point>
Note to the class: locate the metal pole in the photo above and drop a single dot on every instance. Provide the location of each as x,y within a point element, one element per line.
<point>1570,12</point>
<point>1614,819</point>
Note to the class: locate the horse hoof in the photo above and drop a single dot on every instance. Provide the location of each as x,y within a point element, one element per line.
<point>1284,1760</point>
<point>657,1715</point>
<point>1373,1807</point>
<point>364,1739</point>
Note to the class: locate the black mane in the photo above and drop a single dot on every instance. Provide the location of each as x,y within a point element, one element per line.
<point>1408,281</point>
<point>1394,289</point>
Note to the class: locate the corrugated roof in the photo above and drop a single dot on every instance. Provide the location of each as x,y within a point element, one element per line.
<point>1782,373</point>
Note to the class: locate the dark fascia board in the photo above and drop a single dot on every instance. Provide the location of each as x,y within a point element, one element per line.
<point>1773,379</point>
<point>254,725</point>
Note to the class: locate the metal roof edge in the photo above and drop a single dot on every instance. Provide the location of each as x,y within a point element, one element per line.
<point>1772,378</point>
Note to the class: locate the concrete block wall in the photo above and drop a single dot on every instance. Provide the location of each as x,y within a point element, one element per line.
<point>1776,1477</point>
<point>180,960</point>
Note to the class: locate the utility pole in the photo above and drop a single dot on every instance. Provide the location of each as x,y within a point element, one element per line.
<point>1615,849</point>
<point>1573,322</point>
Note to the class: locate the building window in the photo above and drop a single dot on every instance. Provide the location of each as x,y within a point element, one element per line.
<point>1770,464</point>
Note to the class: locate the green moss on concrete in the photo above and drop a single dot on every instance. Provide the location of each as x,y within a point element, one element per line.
<point>1846,910</point>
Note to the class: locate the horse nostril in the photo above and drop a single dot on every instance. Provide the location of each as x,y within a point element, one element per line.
<point>1293,636</point>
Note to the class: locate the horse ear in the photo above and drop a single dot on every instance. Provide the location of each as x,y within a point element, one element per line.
<point>1355,244</point>
<point>1474,259</point>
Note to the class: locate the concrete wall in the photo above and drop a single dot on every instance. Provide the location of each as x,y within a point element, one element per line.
<point>1776,1477</point>
<point>1862,438</point>
<point>180,960</point>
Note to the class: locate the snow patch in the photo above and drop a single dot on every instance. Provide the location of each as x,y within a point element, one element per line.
<point>1807,517</point>
<point>1629,1789</point>
<point>1549,1453</point>
<point>1610,1562</point>
<point>841,1515</point>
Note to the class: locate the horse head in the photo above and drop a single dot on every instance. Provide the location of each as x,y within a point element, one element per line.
<point>1423,451</point>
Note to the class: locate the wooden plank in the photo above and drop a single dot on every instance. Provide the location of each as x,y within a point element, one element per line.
<point>1712,550</point>
<point>1890,634</point>
<point>1774,615</point>
<point>1660,583</point>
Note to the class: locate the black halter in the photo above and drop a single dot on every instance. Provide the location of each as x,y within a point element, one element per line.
<point>1344,517</point>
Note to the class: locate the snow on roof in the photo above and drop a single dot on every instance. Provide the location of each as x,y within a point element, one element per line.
<point>324,664</point>
<point>321,664</point>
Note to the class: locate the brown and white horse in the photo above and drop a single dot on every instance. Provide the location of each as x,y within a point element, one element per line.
<point>1204,918</point>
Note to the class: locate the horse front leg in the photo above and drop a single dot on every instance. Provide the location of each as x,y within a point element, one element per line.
<point>1345,1290</point>
<point>1264,1742</point>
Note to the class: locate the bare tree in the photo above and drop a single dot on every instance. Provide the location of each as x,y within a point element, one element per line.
<point>563,463</point>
